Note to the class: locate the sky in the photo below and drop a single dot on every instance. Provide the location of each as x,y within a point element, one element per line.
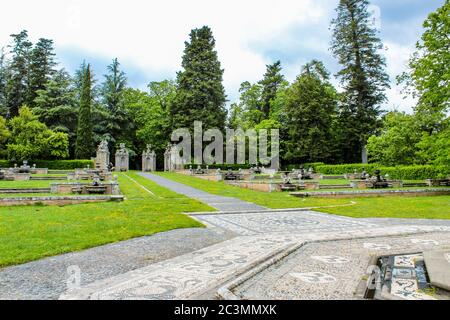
<point>148,36</point>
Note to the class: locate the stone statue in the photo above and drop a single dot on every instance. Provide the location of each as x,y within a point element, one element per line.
<point>102,158</point>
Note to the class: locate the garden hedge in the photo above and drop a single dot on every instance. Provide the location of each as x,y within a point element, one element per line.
<point>414,172</point>
<point>306,166</point>
<point>51,164</point>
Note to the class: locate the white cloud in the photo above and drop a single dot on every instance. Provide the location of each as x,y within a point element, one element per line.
<point>151,34</point>
<point>397,57</point>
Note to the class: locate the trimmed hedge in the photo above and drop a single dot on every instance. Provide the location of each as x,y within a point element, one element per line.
<point>52,164</point>
<point>415,172</point>
<point>306,166</point>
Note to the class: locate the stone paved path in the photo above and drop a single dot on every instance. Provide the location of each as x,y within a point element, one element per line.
<point>47,278</point>
<point>246,237</point>
<point>200,273</point>
<point>219,202</point>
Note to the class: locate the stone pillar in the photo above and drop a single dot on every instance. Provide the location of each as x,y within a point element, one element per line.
<point>102,158</point>
<point>148,160</point>
<point>364,155</point>
<point>122,158</point>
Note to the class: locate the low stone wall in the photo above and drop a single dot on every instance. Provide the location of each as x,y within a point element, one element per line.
<point>255,185</point>
<point>17,176</point>
<point>39,170</point>
<point>209,177</point>
<point>372,193</point>
<point>29,190</point>
<point>309,185</point>
<point>83,188</point>
<point>364,184</point>
<point>330,177</point>
<point>81,174</point>
<point>57,200</point>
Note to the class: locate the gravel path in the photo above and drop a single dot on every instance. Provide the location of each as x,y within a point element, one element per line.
<point>218,202</point>
<point>47,278</point>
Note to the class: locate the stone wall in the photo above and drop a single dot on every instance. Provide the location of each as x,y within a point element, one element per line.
<point>57,200</point>
<point>71,188</point>
<point>373,193</point>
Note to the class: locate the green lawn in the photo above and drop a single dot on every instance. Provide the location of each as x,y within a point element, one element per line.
<point>433,207</point>
<point>28,184</point>
<point>32,232</point>
<point>274,200</point>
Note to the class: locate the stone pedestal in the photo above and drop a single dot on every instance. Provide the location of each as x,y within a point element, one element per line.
<point>148,160</point>
<point>102,159</point>
<point>122,159</point>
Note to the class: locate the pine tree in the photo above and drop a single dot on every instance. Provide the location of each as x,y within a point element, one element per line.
<point>200,92</point>
<point>84,142</point>
<point>271,82</point>
<point>310,103</point>
<point>356,45</point>
<point>40,69</point>
<point>56,106</point>
<point>17,82</point>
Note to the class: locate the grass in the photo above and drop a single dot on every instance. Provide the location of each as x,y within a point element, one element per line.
<point>275,200</point>
<point>434,207</point>
<point>431,207</point>
<point>32,232</point>
<point>28,184</point>
<point>19,195</point>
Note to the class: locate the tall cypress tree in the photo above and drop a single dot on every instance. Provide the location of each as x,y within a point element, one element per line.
<point>271,82</point>
<point>84,143</point>
<point>200,92</point>
<point>356,46</point>
<point>17,82</point>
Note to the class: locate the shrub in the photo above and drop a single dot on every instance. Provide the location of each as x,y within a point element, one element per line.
<point>416,172</point>
<point>306,166</point>
<point>52,164</point>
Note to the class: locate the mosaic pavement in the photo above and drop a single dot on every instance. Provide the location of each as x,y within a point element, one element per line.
<point>282,222</point>
<point>194,275</point>
<point>334,269</point>
<point>339,251</point>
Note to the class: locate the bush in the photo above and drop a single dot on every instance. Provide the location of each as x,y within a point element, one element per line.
<point>306,166</point>
<point>416,172</point>
<point>52,164</point>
